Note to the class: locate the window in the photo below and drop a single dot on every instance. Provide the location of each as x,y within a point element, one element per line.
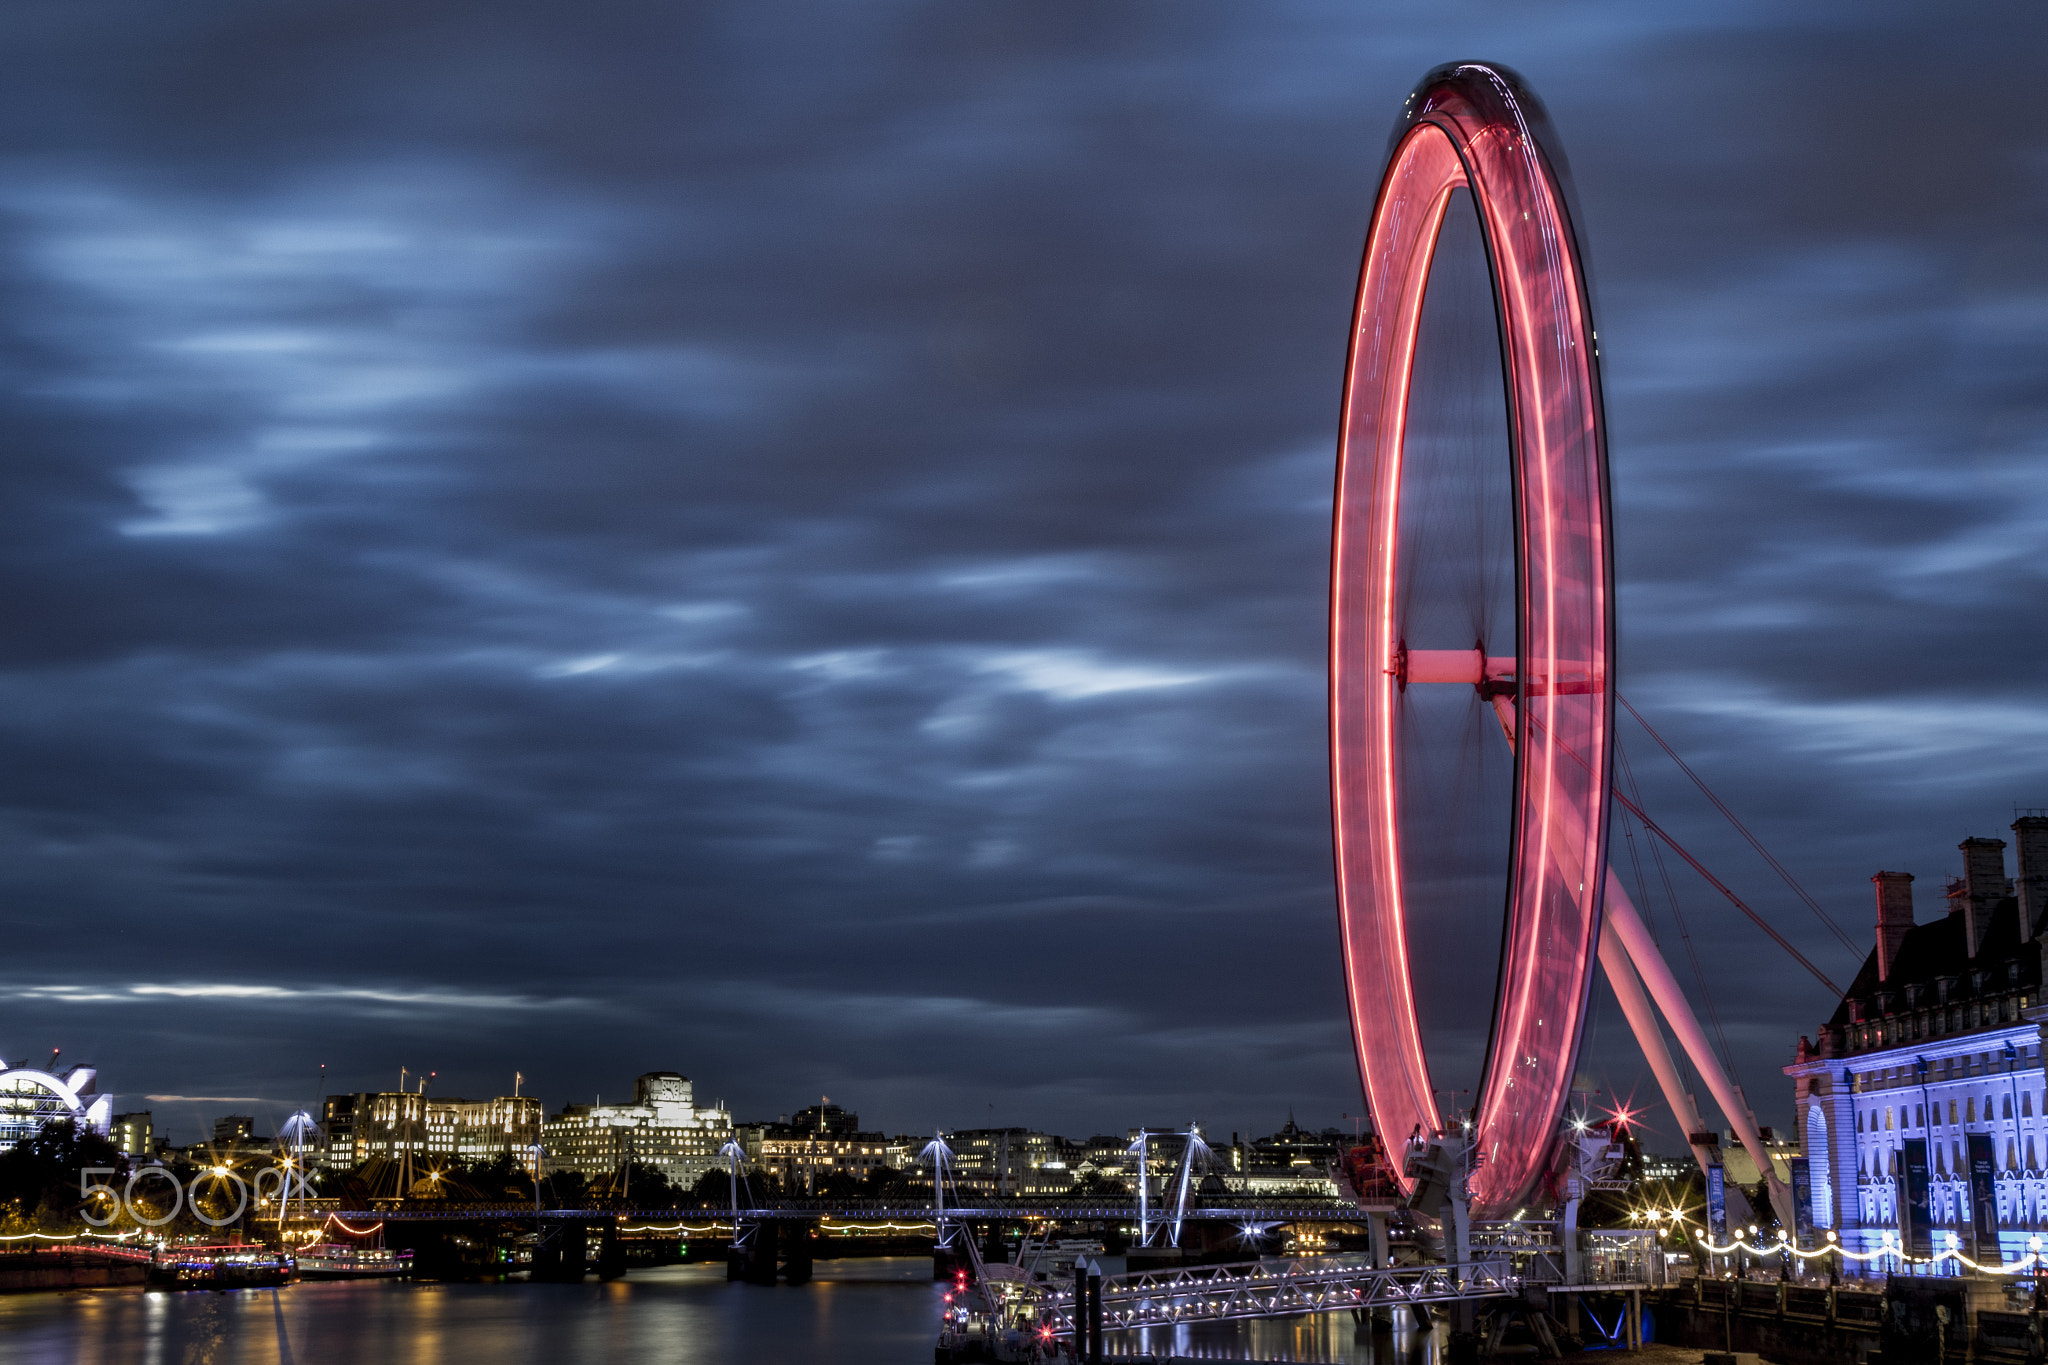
<point>1951,1111</point>
<point>1887,1118</point>
<point>1817,1168</point>
<point>2006,1106</point>
<point>1919,1116</point>
<point>1970,1111</point>
<point>2026,1104</point>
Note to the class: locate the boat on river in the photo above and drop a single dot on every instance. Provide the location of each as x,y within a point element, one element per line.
<point>340,1261</point>
<point>232,1266</point>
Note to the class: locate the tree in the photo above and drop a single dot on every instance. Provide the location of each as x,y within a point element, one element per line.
<point>637,1185</point>
<point>837,1185</point>
<point>39,1178</point>
<point>1096,1185</point>
<point>712,1188</point>
<point>564,1189</point>
<point>885,1182</point>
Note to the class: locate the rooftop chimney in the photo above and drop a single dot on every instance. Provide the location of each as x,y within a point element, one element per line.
<point>1894,917</point>
<point>2030,837</point>
<point>1984,886</point>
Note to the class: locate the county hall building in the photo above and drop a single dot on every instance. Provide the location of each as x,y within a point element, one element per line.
<point>1923,1116</point>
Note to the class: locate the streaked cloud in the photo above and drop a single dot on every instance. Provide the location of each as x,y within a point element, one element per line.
<point>1072,675</point>
<point>426,1000</point>
<point>641,537</point>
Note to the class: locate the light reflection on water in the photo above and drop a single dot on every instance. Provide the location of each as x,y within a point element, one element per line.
<point>873,1312</point>
<point>1324,1338</point>
<point>862,1312</point>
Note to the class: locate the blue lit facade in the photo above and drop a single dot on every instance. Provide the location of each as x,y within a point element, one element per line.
<point>1938,1040</point>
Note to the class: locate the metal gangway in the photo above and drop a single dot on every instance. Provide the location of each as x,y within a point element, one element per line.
<point>1270,1288</point>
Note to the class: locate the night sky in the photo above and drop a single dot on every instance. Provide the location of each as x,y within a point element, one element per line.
<point>788,543</point>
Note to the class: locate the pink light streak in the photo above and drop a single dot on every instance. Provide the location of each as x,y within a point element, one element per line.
<point>1469,125</point>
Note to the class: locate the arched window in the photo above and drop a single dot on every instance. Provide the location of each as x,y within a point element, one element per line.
<point>1818,1167</point>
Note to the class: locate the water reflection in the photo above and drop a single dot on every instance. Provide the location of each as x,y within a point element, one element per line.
<point>1320,1339</point>
<point>877,1312</point>
<point>867,1312</point>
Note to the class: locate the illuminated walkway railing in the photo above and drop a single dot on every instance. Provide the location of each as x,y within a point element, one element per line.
<point>1272,1288</point>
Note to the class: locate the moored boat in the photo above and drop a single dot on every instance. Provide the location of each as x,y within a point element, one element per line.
<point>235,1266</point>
<point>340,1261</point>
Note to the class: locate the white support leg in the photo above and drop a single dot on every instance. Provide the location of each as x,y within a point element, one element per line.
<point>1635,938</point>
<point>1628,989</point>
<point>1621,919</point>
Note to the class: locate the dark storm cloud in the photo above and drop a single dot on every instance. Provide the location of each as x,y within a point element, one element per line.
<point>790,544</point>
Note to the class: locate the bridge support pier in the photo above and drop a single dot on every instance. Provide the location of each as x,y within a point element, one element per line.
<point>750,1258</point>
<point>559,1255</point>
<point>796,1251</point>
<point>611,1255</point>
<point>1094,1315</point>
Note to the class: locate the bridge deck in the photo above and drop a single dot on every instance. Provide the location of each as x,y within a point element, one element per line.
<point>854,1210</point>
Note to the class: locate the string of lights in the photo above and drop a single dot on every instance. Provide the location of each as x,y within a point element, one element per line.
<point>353,1232</point>
<point>67,1237</point>
<point>843,1229</point>
<point>1953,1252</point>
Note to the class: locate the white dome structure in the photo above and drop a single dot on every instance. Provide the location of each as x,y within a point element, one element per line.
<point>30,1098</point>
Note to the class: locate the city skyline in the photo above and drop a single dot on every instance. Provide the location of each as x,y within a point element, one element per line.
<point>793,546</point>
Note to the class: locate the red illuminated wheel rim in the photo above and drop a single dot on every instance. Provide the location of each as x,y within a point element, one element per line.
<point>1472,125</point>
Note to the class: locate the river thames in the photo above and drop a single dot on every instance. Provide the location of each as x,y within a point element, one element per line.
<point>872,1312</point>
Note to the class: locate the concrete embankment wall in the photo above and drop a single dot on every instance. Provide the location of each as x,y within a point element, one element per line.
<point>1908,1320</point>
<point>22,1272</point>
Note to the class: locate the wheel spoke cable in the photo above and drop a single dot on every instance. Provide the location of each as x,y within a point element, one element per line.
<point>1742,829</point>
